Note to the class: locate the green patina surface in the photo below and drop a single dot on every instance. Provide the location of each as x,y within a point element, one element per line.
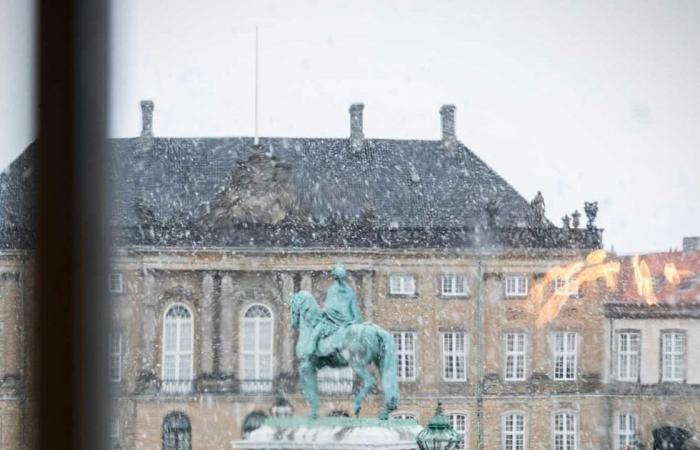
<point>333,422</point>
<point>335,336</point>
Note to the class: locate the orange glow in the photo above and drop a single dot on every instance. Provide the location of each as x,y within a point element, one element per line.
<point>643,280</point>
<point>673,275</point>
<point>594,268</point>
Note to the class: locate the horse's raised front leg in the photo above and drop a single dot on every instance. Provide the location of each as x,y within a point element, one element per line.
<point>367,383</point>
<point>307,372</point>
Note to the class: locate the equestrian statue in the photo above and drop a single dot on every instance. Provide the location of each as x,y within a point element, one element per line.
<point>336,336</point>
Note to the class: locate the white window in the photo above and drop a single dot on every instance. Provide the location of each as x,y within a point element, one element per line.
<point>565,431</point>
<point>514,431</point>
<point>673,356</point>
<point>454,356</point>
<point>564,355</point>
<point>453,285</point>
<point>402,285</point>
<point>566,286</point>
<point>335,380</point>
<point>405,354</point>
<point>115,357</point>
<point>627,433</point>
<point>516,353</point>
<point>256,349</point>
<point>115,432</point>
<point>177,350</point>
<point>628,355</point>
<point>404,416</point>
<point>459,424</point>
<point>516,286</point>
<point>116,283</point>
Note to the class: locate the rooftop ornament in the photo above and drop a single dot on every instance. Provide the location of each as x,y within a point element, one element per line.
<point>439,435</point>
<point>591,210</point>
<point>537,205</point>
<point>576,216</point>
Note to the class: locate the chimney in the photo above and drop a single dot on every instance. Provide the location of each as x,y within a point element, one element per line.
<point>356,133</point>
<point>447,118</point>
<point>691,244</point>
<point>147,118</point>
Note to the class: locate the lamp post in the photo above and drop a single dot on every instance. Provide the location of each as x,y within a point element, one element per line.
<point>439,435</point>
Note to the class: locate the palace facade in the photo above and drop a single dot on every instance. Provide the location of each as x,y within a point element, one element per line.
<point>493,308</point>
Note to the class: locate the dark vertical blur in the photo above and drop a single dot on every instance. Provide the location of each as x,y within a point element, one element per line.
<point>71,361</point>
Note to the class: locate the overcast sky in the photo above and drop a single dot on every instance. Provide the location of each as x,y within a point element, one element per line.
<point>590,100</point>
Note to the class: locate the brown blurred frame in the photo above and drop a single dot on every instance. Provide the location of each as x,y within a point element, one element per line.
<point>69,390</point>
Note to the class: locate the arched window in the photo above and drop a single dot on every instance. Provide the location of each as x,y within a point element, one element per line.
<point>513,430</point>
<point>459,423</point>
<point>256,349</point>
<point>177,432</point>
<point>177,350</point>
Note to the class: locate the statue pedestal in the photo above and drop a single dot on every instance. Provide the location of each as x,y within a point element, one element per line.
<point>331,433</point>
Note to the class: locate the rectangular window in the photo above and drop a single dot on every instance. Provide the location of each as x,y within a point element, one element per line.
<point>673,356</point>
<point>565,431</point>
<point>402,285</point>
<point>628,345</point>
<point>514,432</point>
<point>115,357</point>
<point>453,285</point>
<point>627,438</point>
<point>515,353</point>
<point>115,432</point>
<point>116,283</point>
<point>454,356</point>
<point>516,286</point>
<point>406,355</point>
<point>564,355</point>
<point>459,424</point>
<point>568,286</point>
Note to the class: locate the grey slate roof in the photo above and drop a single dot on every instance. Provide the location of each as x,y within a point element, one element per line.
<point>409,185</point>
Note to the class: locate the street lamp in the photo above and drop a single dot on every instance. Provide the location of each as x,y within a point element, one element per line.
<point>439,435</point>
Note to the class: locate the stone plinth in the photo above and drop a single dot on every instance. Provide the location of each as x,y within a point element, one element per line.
<point>331,433</point>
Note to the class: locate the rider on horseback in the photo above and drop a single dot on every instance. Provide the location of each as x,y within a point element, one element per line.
<point>339,310</point>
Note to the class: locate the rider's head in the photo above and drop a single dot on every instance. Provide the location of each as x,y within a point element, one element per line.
<point>339,273</point>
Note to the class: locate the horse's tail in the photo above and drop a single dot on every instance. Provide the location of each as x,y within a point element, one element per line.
<point>387,364</point>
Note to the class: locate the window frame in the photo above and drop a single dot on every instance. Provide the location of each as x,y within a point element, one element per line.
<point>119,355</point>
<point>454,354</point>
<point>553,429</point>
<point>402,292</point>
<point>619,354</point>
<point>120,285</point>
<point>569,287</point>
<point>400,369</point>
<point>618,431</point>
<point>564,355</point>
<point>684,375</point>
<point>396,415</point>
<point>186,388</point>
<point>450,415</point>
<point>525,432</point>
<point>516,293</point>
<point>453,285</point>
<point>258,384</point>
<point>515,354</point>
